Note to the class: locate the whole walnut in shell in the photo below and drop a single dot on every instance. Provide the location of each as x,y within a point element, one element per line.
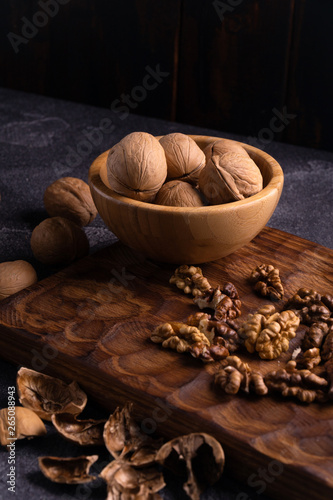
<point>15,276</point>
<point>58,241</point>
<point>222,146</point>
<point>178,194</point>
<point>184,158</point>
<point>230,177</point>
<point>70,197</point>
<point>136,166</point>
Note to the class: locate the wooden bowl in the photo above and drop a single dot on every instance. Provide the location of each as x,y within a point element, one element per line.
<point>188,235</point>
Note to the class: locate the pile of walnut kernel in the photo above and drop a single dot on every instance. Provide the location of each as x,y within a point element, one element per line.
<point>174,171</point>
<point>137,460</point>
<point>216,337</point>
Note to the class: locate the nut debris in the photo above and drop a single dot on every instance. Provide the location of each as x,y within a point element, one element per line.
<point>83,432</point>
<point>46,395</point>
<point>72,470</point>
<point>26,425</point>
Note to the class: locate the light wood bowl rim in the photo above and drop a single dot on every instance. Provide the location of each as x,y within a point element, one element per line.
<point>274,185</point>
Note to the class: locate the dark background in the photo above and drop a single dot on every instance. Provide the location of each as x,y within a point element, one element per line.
<point>231,65</point>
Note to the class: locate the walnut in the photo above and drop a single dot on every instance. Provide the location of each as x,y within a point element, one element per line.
<point>191,280</point>
<point>83,432</point>
<point>73,470</point>
<point>329,374</point>
<point>46,395</point>
<point>70,197</point>
<point>327,349</point>
<point>58,241</point>
<point>214,329</point>
<point>182,337</point>
<point>225,302</point>
<point>126,482</point>
<point>222,146</point>
<point>20,424</point>
<point>309,306</point>
<point>197,456</point>
<point>136,166</point>
<point>267,282</point>
<point>178,194</point>
<point>315,335</point>
<point>233,375</point>
<point>308,359</point>
<point>15,276</point>
<point>302,384</point>
<point>230,177</point>
<point>185,159</point>
<point>269,333</point>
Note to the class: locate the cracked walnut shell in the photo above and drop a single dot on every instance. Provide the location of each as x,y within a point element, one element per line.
<point>185,159</point>
<point>230,177</point>
<point>136,166</point>
<point>15,276</point>
<point>26,424</point>
<point>70,197</point>
<point>178,194</point>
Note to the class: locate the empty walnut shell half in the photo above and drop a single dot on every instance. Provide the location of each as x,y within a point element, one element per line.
<point>121,434</point>
<point>15,276</point>
<point>70,197</point>
<point>230,177</point>
<point>73,470</point>
<point>198,456</point>
<point>58,241</point>
<point>19,423</point>
<point>178,194</point>
<point>136,166</point>
<point>126,482</point>
<point>185,159</point>
<point>83,432</point>
<point>46,395</point>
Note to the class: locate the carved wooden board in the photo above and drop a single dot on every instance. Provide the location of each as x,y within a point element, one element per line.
<point>91,322</point>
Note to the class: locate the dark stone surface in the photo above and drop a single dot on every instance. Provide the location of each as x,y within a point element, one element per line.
<point>42,139</point>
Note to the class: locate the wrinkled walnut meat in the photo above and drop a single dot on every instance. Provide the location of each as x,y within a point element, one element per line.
<point>236,375</point>
<point>198,457</point>
<point>310,306</point>
<point>26,425</point>
<point>213,329</point>
<point>191,280</point>
<point>309,358</point>
<point>47,395</point>
<point>269,332</point>
<point>225,302</point>
<point>185,338</point>
<point>267,282</point>
<point>301,384</point>
<point>68,470</point>
<point>327,350</point>
<point>83,432</point>
<point>129,483</point>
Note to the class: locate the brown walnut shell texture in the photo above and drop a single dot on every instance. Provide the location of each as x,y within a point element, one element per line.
<point>69,470</point>
<point>47,395</point>
<point>15,276</point>
<point>136,166</point>
<point>178,194</point>
<point>230,177</point>
<point>184,158</point>
<point>70,197</point>
<point>26,424</point>
<point>222,146</point>
<point>58,241</point>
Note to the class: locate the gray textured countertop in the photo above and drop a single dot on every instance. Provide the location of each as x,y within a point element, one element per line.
<point>42,139</point>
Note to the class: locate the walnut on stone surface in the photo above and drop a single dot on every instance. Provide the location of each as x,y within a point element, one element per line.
<point>58,241</point>
<point>70,197</point>
<point>15,276</point>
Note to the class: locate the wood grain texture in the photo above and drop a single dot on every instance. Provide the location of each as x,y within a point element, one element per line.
<point>91,322</point>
